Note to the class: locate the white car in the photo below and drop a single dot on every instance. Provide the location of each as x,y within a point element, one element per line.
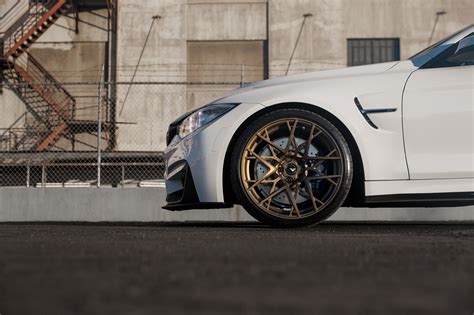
<point>293,150</point>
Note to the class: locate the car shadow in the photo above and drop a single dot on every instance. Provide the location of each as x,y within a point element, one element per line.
<point>240,225</point>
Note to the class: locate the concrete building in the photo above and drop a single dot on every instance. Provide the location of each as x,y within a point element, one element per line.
<point>222,41</point>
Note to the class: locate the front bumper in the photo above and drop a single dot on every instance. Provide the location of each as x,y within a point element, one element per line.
<point>195,164</point>
<point>182,193</point>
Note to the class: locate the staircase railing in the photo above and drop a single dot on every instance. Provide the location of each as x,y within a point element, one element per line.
<point>38,13</point>
<point>31,136</point>
<point>50,89</point>
<point>50,104</point>
<point>8,140</point>
<point>10,136</point>
<point>17,10</point>
<point>46,100</point>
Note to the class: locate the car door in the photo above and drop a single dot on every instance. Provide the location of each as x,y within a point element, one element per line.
<point>438,115</point>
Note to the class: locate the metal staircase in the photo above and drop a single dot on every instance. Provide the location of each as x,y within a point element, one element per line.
<point>46,100</point>
<point>32,24</point>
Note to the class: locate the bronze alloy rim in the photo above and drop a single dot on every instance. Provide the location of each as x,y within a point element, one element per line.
<point>292,168</point>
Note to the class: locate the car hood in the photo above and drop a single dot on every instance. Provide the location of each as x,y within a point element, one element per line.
<point>314,76</point>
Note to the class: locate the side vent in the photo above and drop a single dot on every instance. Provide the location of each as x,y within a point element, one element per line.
<point>365,112</point>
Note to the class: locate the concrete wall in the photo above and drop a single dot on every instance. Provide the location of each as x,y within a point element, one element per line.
<point>71,56</point>
<point>171,50</point>
<point>149,109</point>
<point>144,205</point>
<point>323,40</point>
<point>230,63</point>
<point>169,54</point>
<point>226,20</point>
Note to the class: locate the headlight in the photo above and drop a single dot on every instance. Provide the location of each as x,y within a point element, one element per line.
<point>202,117</point>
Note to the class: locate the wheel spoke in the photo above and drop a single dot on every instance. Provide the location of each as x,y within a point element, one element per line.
<point>291,138</point>
<point>305,194</point>
<point>307,143</point>
<point>293,201</point>
<point>309,190</point>
<point>264,182</point>
<point>324,158</point>
<point>271,147</point>
<point>275,182</point>
<point>258,182</point>
<point>329,178</point>
<point>262,159</point>
<point>273,194</point>
<point>272,169</point>
<point>270,143</point>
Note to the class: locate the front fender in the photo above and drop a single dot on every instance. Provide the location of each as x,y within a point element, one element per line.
<point>382,150</point>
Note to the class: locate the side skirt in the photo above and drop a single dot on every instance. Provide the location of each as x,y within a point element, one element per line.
<point>457,199</point>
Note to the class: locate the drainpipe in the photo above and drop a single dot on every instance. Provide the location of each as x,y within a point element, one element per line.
<point>2,61</point>
<point>305,16</point>
<point>438,14</point>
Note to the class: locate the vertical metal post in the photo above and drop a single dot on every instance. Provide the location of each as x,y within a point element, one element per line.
<point>242,74</point>
<point>73,116</point>
<point>28,175</point>
<point>123,176</point>
<point>2,61</point>
<point>76,20</point>
<point>99,129</point>
<point>266,49</point>
<point>43,176</point>
<point>113,77</point>
<point>107,80</point>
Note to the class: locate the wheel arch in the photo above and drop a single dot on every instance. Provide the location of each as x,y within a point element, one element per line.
<point>356,196</point>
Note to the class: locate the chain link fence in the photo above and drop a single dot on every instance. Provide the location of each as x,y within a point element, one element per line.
<point>57,132</point>
<point>93,133</point>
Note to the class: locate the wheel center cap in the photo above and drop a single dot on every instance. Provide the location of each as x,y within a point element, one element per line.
<point>291,169</point>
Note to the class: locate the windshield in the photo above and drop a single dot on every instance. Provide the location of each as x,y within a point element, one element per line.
<point>428,50</point>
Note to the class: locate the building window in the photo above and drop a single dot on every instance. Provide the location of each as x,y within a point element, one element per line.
<point>363,51</point>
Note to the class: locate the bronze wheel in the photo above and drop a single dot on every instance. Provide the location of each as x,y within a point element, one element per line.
<point>292,167</point>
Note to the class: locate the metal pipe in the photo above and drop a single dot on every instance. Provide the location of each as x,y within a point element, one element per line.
<point>28,176</point>
<point>99,130</point>
<point>154,18</point>
<point>43,175</point>
<point>305,16</point>
<point>123,176</point>
<point>438,14</point>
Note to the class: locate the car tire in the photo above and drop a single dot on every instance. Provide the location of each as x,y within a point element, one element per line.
<point>291,168</point>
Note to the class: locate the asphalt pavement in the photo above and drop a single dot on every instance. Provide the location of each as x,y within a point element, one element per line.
<point>225,268</point>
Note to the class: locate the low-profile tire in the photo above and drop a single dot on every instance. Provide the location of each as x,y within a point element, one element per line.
<point>291,168</point>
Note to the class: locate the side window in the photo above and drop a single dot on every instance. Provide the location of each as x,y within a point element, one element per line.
<point>461,54</point>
